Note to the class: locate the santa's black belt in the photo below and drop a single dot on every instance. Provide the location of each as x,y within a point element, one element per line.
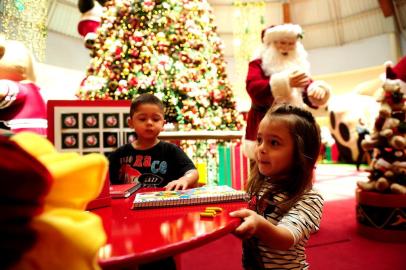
<point>258,108</point>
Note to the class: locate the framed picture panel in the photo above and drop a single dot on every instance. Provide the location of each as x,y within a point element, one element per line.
<point>88,126</point>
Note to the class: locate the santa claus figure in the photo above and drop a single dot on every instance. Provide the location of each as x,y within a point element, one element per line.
<point>90,20</point>
<point>281,74</point>
<point>22,107</point>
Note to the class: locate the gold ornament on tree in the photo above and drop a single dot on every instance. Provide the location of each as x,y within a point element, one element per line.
<point>25,20</point>
<point>248,22</point>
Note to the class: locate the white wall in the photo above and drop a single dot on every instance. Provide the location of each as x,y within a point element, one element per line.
<point>65,51</point>
<point>65,65</point>
<point>403,43</point>
<point>364,53</point>
<point>58,82</point>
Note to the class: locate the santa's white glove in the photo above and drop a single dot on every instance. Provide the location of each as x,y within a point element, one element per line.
<point>319,93</point>
<point>8,93</point>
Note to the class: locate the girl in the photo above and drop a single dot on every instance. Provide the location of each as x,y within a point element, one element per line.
<point>284,209</point>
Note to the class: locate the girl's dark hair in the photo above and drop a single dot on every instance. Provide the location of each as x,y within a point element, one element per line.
<point>307,142</point>
<point>145,99</point>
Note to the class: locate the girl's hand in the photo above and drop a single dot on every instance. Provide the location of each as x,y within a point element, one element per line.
<point>277,237</point>
<point>250,224</point>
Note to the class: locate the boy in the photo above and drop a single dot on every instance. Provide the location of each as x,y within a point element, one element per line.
<point>147,154</point>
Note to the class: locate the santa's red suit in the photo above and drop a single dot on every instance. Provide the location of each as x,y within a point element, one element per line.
<point>23,108</point>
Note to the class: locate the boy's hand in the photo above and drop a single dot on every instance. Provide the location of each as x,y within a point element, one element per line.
<point>179,184</point>
<point>189,180</point>
<point>250,223</point>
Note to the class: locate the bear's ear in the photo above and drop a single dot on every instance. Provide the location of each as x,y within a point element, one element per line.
<point>390,74</point>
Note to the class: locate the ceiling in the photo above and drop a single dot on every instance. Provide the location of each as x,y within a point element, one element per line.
<point>63,15</point>
<point>325,22</point>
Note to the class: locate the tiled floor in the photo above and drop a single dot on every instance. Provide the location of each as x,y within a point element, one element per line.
<point>338,181</point>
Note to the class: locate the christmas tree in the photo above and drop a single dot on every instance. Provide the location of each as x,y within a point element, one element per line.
<point>388,140</point>
<point>169,48</point>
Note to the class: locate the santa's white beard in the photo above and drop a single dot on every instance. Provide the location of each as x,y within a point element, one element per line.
<point>273,61</point>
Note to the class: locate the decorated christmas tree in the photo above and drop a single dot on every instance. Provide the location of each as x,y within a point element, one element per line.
<point>169,48</point>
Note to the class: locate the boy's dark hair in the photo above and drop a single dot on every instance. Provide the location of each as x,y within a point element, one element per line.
<point>307,142</point>
<point>145,99</point>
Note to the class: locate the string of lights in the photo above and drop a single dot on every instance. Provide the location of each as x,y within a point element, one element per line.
<point>25,20</point>
<point>248,21</point>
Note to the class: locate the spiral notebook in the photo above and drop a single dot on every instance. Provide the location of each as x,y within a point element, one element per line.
<point>200,195</point>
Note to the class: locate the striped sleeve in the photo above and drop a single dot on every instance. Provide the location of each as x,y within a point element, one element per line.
<point>304,217</point>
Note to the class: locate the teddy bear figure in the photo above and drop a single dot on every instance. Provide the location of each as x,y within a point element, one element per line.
<point>392,98</point>
<point>398,186</point>
<point>390,125</point>
<point>391,120</point>
<point>22,108</point>
<point>393,130</point>
<point>386,177</point>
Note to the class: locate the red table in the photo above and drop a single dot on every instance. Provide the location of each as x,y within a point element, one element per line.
<point>139,236</point>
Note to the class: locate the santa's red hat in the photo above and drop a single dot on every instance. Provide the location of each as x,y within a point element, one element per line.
<point>276,32</point>
<point>398,72</point>
<point>400,69</point>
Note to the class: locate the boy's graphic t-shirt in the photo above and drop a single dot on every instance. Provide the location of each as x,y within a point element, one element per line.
<point>165,159</point>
